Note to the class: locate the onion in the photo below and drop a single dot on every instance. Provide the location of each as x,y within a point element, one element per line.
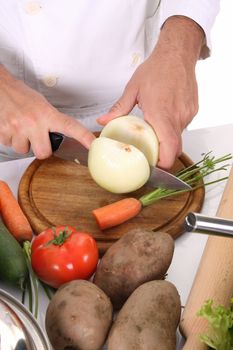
<point>119,160</point>
<point>134,131</point>
<point>116,166</point>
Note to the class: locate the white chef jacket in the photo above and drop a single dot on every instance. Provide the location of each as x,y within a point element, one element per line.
<point>81,53</point>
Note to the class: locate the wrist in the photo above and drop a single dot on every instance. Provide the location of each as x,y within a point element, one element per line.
<point>181,37</point>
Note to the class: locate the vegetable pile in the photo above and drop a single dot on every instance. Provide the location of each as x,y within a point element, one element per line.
<point>54,257</point>
<point>57,256</point>
<point>130,277</point>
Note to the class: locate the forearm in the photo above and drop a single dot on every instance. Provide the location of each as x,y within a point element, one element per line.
<point>3,71</point>
<point>181,37</point>
<point>203,12</point>
<point>5,76</point>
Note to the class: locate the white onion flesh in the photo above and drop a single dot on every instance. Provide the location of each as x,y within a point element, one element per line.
<point>134,131</point>
<point>116,166</point>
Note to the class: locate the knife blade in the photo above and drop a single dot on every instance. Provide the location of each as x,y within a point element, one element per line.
<point>70,149</point>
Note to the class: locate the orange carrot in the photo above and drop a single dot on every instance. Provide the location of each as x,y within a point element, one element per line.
<point>12,215</point>
<point>116,213</point>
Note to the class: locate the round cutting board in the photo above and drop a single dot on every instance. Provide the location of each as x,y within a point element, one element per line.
<point>57,192</point>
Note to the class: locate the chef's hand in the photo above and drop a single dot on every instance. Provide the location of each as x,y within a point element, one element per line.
<point>164,86</point>
<point>26,118</point>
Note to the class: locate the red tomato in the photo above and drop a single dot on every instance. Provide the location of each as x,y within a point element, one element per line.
<point>62,254</point>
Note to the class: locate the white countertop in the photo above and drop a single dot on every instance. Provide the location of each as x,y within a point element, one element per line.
<point>188,247</point>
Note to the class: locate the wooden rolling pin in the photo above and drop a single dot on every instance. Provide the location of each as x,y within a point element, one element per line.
<point>214,277</point>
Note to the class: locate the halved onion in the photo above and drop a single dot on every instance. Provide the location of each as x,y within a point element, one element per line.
<point>116,166</point>
<point>134,131</point>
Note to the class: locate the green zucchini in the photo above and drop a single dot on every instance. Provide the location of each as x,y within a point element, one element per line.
<point>13,265</point>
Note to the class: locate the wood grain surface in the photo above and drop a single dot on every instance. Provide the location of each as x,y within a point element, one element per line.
<point>214,277</point>
<point>58,192</point>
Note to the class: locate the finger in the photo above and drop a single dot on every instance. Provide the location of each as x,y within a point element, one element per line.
<point>20,144</point>
<point>168,150</point>
<point>170,144</point>
<point>40,143</point>
<point>71,127</point>
<point>122,107</point>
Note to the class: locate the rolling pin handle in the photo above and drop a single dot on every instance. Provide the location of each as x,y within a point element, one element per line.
<point>216,226</point>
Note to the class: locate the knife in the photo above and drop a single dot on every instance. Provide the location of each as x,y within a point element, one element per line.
<point>70,149</point>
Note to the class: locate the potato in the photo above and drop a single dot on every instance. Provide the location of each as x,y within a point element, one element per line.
<point>148,320</point>
<point>78,317</point>
<point>137,257</point>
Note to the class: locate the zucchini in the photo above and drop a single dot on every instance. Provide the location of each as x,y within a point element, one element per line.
<point>13,264</point>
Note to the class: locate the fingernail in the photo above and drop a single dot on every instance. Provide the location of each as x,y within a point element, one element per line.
<point>102,119</point>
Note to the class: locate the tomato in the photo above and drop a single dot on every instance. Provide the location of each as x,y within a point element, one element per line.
<point>62,254</point>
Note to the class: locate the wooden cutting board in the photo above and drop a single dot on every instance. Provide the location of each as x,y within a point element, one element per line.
<point>57,192</point>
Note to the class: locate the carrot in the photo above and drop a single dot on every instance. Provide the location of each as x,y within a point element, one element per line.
<point>116,213</point>
<point>13,216</point>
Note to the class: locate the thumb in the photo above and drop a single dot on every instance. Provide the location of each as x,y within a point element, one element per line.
<point>123,106</point>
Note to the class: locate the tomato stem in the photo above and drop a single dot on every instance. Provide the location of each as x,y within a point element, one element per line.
<point>60,238</point>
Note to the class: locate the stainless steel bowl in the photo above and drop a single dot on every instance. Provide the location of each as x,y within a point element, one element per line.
<point>19,330</point>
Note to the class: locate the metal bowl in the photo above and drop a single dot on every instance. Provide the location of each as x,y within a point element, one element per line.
<point>19,330</point>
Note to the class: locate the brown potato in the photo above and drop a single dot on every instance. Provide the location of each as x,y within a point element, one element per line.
<point>137,257</point>
<point>148,320</point>
<point>78,317</point>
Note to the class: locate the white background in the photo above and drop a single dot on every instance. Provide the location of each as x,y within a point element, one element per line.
<point>215,74</point>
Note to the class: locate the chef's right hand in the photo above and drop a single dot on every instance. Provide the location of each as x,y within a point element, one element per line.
<point>26,118</point>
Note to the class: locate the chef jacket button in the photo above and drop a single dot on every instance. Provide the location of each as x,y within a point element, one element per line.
<point>32,7</point>
<point>136,59</point>
<point>50,80</point>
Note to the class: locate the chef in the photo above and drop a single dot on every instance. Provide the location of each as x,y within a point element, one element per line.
<point>71,66</point>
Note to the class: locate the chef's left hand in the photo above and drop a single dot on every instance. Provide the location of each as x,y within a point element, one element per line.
<point>165,87</point>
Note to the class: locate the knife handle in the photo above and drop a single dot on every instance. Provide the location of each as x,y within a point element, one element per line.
<point>55,140</point>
